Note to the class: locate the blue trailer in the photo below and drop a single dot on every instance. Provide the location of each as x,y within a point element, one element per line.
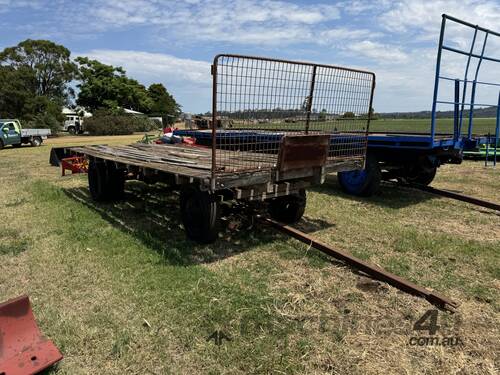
<point>415,157</point>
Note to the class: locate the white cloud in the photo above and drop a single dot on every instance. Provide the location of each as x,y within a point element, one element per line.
<point>240,21</point>
<point>379,52</point>
<point>154,65</point>
<point>407,15</point>
<point>7,5</point>
<point>342,34</point>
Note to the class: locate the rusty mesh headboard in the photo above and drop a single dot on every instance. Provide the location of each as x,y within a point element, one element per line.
<point>258,101</point>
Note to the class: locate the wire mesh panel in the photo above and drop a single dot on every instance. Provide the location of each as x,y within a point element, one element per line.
<point>258,101</point>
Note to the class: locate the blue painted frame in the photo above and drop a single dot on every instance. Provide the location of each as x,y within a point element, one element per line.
<point>459,105</point>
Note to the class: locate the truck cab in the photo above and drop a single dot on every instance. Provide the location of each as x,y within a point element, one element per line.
<point>11,133</point>
<point>73,124</point>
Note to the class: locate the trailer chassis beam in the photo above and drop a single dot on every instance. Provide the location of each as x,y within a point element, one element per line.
<point>370,269</point>
<point>457,196</point>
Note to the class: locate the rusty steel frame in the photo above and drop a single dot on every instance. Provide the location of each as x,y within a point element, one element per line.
<point>457,196</point>
<point>369,269</point>
<point>259,81</point>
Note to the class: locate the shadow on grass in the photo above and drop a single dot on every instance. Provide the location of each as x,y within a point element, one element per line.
<point>390,195</point>
<point>151,214</point>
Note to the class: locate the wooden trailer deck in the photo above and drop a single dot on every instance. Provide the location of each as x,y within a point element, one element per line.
<point>182,161</point>
<point>193,164</point>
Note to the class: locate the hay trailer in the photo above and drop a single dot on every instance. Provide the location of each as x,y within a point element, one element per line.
<point>276,159</point>
<point>415,157</point>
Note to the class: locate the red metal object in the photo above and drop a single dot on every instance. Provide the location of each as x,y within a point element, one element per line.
<point>75,164</point>
<point>23,349</point>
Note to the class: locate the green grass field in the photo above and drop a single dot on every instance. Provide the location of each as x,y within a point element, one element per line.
<point>481,126</point>
<point>119,289</point>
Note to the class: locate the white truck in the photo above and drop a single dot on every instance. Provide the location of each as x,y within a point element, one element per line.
<point>73,124</point>
<point>12,133</point>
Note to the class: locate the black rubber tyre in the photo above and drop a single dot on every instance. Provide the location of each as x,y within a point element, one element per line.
<point>72,130</point>
<point>97,180</point>
<point>289,208</point>
<point>363,183</point>
<point>106,182</point>
<point>36,141</point>
<point>424,176</point>
<point>200,215</point>
<point>115,182</point>
<point>1,144</point>
<point>17,145</point>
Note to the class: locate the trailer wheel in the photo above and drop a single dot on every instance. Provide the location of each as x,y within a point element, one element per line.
<point>115,182</point>
<point>106,182</point>
<point>424,175</point>
<point>200,215</point>
<point>36,141</point>
<point>97,180</point>
<point>289,208</point>
<point>362,183</point>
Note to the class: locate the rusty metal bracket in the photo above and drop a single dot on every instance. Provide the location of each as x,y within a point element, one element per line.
<point>369,269</point>
<point>23,349</point>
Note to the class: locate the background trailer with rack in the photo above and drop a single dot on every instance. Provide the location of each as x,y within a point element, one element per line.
<point>287,146</point>
<point>406,156</point>
<point>414,157</point>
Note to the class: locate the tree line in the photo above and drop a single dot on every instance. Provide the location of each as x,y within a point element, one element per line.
<point>39,77</point>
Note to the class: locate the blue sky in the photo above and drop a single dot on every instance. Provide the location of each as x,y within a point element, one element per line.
<point>173,42</point>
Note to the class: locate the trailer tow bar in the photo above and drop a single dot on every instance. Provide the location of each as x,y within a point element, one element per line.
<point>457,196</point>
<point>369,269</point>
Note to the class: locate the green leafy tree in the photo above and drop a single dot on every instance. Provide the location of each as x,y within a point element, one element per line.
<point>348,115</point>
<point>106,86</point>
<point>17,87</point>
<point>34,82</point>
<point>50,63</point>
<point>164,104</point>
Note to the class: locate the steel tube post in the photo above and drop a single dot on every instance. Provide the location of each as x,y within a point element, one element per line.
<point>465,81</point>
<point>310,99</point>
<point>487,150</point>
<point>214,120</point>
<point>473,94</point>
<point>436,80</point>
<point>456,112</point>
<point>471,110</point>
<point>497,132</point>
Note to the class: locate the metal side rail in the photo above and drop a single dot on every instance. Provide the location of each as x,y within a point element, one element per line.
<point>453,195</point>
<point>369,269</point>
